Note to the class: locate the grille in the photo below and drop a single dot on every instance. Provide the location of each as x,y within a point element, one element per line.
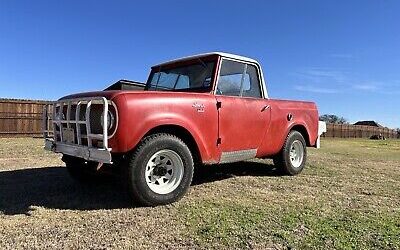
<point>79,121</point>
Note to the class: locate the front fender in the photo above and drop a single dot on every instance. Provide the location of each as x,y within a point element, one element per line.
<point>157,120</point>
<point>140,113</point>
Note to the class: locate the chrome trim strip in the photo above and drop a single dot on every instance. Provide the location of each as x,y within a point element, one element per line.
<point>68,114</point>
<point>105,123</point>
<point>87,117</point>
<point>77,123</point>
<point>61,111</point>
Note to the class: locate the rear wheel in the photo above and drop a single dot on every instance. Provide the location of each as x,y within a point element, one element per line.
<point>292,158</point>
<point>160,170</point>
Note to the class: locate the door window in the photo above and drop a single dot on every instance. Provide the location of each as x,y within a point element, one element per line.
<point>238,79</point>
<point>251,87</point>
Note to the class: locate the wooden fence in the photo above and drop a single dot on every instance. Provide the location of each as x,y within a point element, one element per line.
<point>24,118</point>
<point>357,131</point>
<point>21,117</point>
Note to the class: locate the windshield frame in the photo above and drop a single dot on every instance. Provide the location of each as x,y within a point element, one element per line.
<point>183,63</point>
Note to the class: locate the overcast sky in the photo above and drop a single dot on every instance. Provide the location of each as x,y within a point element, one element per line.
<point>344,55</point>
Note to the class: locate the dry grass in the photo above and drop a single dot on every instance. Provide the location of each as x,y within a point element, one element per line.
<point>347,197</point>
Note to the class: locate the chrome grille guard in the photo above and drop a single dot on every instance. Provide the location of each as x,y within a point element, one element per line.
<point>71,118</point>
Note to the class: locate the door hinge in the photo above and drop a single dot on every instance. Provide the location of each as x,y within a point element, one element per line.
<point>219,104</point>
<point>218,141</point>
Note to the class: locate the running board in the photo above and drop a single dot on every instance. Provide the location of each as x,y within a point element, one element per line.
<point>240,155</point>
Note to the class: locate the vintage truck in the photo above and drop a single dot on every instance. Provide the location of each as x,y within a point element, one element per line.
<point>211,108</point>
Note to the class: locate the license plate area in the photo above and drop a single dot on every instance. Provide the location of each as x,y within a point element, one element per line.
<point>68,135</point>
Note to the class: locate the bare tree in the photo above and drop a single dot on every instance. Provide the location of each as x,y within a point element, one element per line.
<point>328,118</point>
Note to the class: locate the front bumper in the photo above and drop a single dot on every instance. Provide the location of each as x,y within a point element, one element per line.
<point>87,153</point>
<point>71,127</point>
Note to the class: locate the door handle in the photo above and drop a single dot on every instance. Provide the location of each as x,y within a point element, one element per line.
<point>265,108</point>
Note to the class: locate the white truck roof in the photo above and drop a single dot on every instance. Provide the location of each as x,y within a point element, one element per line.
<point>223,54</point>
<point>227,55</point>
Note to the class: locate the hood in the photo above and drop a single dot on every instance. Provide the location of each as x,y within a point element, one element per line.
<point>111,94</point>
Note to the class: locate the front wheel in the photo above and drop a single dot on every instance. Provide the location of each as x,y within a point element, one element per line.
<point>160,170</point>
<point>292,158</point>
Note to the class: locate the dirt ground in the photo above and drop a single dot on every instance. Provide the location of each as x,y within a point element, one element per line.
<point>347,197</point>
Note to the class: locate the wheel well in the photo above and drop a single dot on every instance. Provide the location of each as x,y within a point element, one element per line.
<point>303,131</point>
<point>182,134</point>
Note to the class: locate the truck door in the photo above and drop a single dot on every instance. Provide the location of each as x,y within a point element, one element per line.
<point>243,113</point>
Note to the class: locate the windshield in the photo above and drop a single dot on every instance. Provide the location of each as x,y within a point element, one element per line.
<point>196,76</point>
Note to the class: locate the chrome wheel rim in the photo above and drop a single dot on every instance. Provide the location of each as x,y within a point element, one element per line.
<point>296,153</point>
<point>164,171</point>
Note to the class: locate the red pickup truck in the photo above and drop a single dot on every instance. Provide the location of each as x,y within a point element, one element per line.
<point>205,109</point>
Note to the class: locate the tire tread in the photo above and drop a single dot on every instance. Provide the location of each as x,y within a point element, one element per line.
<point>282,162</point>
<point>138,196</point>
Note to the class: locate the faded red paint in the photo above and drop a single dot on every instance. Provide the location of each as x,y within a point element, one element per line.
<point>241,123</point>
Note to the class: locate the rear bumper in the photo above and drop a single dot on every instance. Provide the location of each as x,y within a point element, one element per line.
<point>321,130</point>
<point>87,153</point>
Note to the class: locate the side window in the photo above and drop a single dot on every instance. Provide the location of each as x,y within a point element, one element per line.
<point>251,87</point>
<point>230,78</point>
<point>238,79</point>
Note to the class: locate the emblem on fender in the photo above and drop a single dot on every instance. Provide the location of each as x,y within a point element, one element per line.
<point>199,107</point>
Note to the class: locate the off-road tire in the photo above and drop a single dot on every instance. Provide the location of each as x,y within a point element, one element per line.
<point>283,161</point>
<point>138,162</point>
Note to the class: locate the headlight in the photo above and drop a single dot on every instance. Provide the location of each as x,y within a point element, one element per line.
<point>110,120</point>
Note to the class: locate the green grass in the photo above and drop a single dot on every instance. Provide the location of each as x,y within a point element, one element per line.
<point>347,197</point>
<point>341,230</point>
<point>216,225</point>
<point>223,224</point>
<point>363,149</point>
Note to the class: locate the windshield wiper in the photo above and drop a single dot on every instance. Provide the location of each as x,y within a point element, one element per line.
<point>176,82</point>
